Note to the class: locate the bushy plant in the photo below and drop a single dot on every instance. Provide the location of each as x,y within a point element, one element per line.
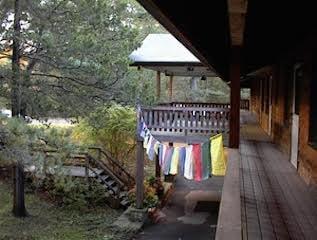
<point>111,127</point>
<point>75,193</point>
<point>150,195</point>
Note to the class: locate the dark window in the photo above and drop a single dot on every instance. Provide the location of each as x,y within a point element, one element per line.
<point>313,105</point>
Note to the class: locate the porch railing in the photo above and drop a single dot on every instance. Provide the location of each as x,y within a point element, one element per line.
<point>244,104</point>
<point>187,120</point>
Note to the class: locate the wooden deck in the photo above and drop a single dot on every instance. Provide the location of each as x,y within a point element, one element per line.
<point>186,124</point>
<point>275,201</point>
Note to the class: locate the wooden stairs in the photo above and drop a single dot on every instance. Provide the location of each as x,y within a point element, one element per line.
<point>114,178</point>
<point>103,168</point>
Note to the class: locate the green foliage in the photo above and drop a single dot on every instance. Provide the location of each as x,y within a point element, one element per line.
<point>77,53</point>
<point>50,222</point>
<point>112,127</point>
<point>75,193</point>
<point>150,194</point>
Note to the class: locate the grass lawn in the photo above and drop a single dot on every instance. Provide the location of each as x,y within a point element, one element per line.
<point>48,222</point>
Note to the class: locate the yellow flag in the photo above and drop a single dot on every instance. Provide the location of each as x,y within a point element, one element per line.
<point>218,161</point>
<point>174,163</point>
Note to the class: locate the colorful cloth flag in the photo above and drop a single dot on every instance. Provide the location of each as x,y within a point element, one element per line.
<point>167,160</point>
<point>206,160</point>
<point>188,168</point>
<point>174,162</point>
<point>150,149</point>
<point>217,155</point>
<point>197,162</point>
<point>182,156</point>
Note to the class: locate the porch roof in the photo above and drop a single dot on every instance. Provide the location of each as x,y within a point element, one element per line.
<point>164,53</point>
<point>263,30</point>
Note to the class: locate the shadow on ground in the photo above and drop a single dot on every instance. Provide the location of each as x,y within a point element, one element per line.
<point>191,213</point>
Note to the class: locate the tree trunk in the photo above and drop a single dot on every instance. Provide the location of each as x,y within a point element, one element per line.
<point>18,194</point>
<point>18,172</point>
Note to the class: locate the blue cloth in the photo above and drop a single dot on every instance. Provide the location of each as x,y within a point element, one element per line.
<point>151,152</point>
<point>182,156</point>
<point>167,160</point>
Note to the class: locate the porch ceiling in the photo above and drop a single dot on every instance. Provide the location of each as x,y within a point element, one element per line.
<point>266,30</point>
<point>202,27</point>
<point>273,28</point>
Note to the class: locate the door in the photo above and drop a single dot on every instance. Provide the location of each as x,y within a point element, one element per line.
<point>297,75</point>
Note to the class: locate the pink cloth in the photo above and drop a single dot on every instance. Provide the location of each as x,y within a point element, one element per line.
<point>197,162</point>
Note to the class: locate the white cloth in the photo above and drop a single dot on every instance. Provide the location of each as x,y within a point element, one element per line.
<point>188,169</point>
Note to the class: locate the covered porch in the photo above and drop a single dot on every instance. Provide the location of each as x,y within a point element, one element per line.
<point>263,196</point>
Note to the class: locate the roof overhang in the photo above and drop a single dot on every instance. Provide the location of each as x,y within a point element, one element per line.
<point>202,27</point>
<point>164,53</point>
<point>266,31</point>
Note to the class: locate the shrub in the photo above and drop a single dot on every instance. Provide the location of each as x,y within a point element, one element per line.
<point>111,127</point>
<point>150,195</point>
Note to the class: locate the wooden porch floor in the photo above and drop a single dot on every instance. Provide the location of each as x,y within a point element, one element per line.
<point>275,201</point>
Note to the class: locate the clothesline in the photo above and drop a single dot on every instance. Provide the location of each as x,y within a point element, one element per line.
<point>194,161</point>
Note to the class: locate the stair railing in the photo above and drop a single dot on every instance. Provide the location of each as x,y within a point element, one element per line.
<point>114,166</point>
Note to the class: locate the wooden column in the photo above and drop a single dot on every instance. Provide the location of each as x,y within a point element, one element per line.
<point>139,167</point>
<point>170,89</point>
<point>234,76</point>
<point>157,168</point>
<point>158,85</point>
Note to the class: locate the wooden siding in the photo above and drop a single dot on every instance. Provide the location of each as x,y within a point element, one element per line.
<point>281,110</point>
<point>275,202</point>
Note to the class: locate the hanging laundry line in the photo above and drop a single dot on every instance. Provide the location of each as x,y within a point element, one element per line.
<point>195,161</point>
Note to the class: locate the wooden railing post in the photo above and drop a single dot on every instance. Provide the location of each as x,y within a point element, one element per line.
<point>157,167</point>
<point>139,166</point>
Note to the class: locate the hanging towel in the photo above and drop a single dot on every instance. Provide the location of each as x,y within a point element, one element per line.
<point>167,159</point>
<point>148,145</point>
<point>206,160</point>
<point>175,160</point>
<point>188,168</point>
<point>143,129</point>
<point>146,140</point>
<point>217,156</point>
<point>197,162</point>
<point>150,149</point>
<point>182,156</point>
<point>156,147</point>
<point>162,150</point>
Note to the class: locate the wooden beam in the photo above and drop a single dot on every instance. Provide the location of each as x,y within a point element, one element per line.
<point>170,88</point>
<point>158,85</point>
<point>139,167</point>
<point>237,11</point>
<point>234,135</point>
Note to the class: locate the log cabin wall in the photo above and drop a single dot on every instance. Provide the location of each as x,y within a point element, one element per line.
<point>282,84</point>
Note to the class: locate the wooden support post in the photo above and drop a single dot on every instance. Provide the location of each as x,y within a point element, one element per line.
<point>157,168</point>
<point>139,167</point>
<point>234,137</point>
<point>158,85</point>
<point>170,89</point>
